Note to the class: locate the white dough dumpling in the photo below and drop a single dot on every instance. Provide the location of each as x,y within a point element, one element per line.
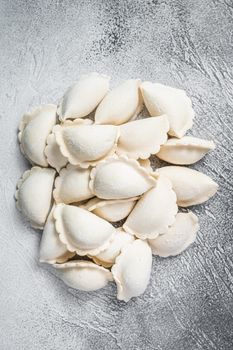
<point>84,143</point>
<point>34,194</point>
<point>191,186</point>
<point>184,151</point>
<point>154,212</point>
<point>53,153</point>
<point>120,178</point>
<point>143,137</point>
<point>81,230</point>
<point>132,269</point>
<point>111,210</point>
<point>83,275</point>
<point>83,96</point>
<point>52,250</point>
<point>34,129</point>
<point>121,104</point>
<point>161,99</point>
<point>107,257</point>
<point>177,237</point>
<point>72,185</point>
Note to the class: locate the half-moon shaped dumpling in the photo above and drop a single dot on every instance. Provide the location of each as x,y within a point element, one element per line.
<point>121,104</point>
<point>143,137</point>
<point>83,275</point>
<point>191,186</point>
<point>111,210</point>
<point>107,257</point>
<point>177,237</point>
<point>34,194</point>
<point>154,212</point>
<point>72,185</point>
<point>161,99</point>
<point>184,151</point>
<point>53,153</point>
<point>34,129</point>
<point>131,270</point>
<point>119,178</point>
<point>84,143</point>
<point>82,97</point>
<point>52,250</point>
<point>82,231</point>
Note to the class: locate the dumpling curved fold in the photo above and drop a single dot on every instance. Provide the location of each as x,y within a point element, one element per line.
<point>191,186</point>
<point>132,269</point>
<point>177,237</point>
<point>111,210</point>
<point>143,137</point>
<point>184,151</point>
<point>120,178</point>
<point>154,212</point>
<point>34,194</point>
<point>72,185</point>
<point>82,231</point>
<point>82,97</point>
<point>83,275</point>
<point>107,257</point>
<point>145,163</point>
<point>52,250</point>
<point>121,104</point>
<point>161,99</point>
<point>34,129</point>
<point>84,143</point>
<point>53,153</point>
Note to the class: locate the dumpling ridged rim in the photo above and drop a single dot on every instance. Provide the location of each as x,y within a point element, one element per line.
<point>114,268</point>
<point>103,263</point>
<point>61,260</point>
<point>101,203</point>
<point>84,263</point>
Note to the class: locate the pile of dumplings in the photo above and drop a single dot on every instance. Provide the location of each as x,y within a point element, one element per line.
<point>103,210</point>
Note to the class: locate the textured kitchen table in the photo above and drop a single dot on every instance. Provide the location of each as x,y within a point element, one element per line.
<point>45,46</point>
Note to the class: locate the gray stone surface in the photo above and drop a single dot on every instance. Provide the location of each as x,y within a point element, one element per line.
<point>46,45</point>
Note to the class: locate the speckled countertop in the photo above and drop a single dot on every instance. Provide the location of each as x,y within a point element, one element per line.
<point>46,45</point>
